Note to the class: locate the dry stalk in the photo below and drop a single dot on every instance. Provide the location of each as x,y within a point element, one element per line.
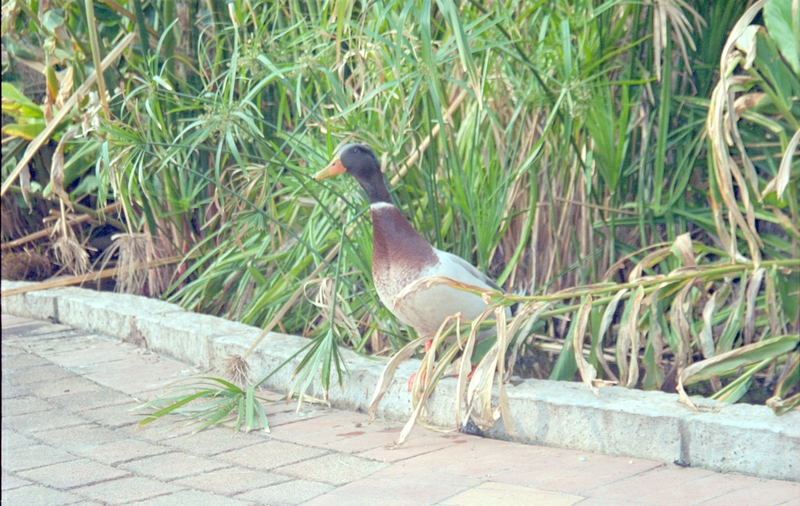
<point>92,276</point>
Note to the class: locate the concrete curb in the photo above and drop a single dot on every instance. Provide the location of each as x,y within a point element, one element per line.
<point>650,425</point>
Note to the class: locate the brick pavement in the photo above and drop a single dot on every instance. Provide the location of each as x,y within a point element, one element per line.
<point>69,437</point>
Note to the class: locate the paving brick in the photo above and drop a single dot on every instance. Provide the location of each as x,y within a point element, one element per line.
<point>662,480</point>
<point>230,481</point>
<point>42,421</point>
<point>322,430</point>
<point>73,473</point>
<point>558,468</point>
<point>355,499</point>
<point>411,473</point>
<point>596,471</point>
<point>22,360</point>
<point>80,439</point>
<point>29,457</point>
<point>100,351</point>
<point>706,487</point>
<point>171,466</point>
<point>194,498</point>
<point>599,501</point>
<point>70,385</point>
<point>341,431</point>
<point>24,406</point>
<point>270,454</point>
<point>77,402</point>
<point>140,373</point>
<point>11,391</point>
<point>10,482</point>
<point>364,437</point>
<point>125,490</point>
<point>510,495</point>
<point>41,496</point>
<point>420,442</point>
<point>762,493</point>
<point>12,439</point>
<point>474,456</point>
<point>7,351</point>
<point>115,416</point>
<point>373,490</point>
<point>280,417</point>
<point>287,493</point>
<point>43,328</point>
<point>336,469</point>
<point>52,344</point>
<point>28,375</point>
<point>10,320</point>
<point>123,450</point>
<point>14,332</point>
<point>207,442</point>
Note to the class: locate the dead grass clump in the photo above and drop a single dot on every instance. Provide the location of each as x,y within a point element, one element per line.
<point>25,266</point>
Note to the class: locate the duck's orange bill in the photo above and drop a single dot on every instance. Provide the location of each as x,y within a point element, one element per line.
<point>334,169</point>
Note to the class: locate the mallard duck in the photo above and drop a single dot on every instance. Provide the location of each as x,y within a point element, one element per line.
<point>401,256</point>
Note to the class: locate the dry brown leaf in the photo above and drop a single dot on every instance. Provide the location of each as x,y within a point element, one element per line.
<point>633,334</point>
<point>57,168</point>
<point>683,245</point>
<point>753,287</point>
<point>706,335</point>
<point>781,180</point>
<point>588,373</point>
<point>385,379</point>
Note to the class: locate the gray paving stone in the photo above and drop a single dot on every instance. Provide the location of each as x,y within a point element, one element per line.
<point>24,406</point>
<point>125,490</point>
<point>78,402</point>
<point>28,375</point>
<point>96,351</point>
<point>80,439</point>
<point>38,495</point>
<point>51,344</point>
<point>172,466</point>
<point>114,416</point>
<point>29,457</point>
<point>73,473</point>
<point>139,373</point>
<point>11,391</point>
<point>10,320</point>
<point>42,421</point>
<point>13,439</point>
<point>70,385</point>
<point>193,498</point>
<point>334,468</point>
<point>207,442</point>
<point>123,450</point>
<point>8,350</point>
<point>287,493</point>
<point>230,481</point>
<point>271,454</point>
<point>22,360</point>
<point>11,482</point>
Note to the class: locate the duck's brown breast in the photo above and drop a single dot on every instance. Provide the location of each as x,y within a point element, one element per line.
<point>400,254</point>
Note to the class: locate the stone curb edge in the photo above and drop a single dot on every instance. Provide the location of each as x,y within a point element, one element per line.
<point>739,438</point>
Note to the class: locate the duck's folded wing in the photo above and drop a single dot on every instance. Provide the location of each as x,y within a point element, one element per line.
<point>455,267</point>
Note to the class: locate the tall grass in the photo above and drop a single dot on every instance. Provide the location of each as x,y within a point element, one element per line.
<point>556,145</point>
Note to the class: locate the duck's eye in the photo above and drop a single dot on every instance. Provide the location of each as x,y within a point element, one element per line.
<point>355,150</point>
